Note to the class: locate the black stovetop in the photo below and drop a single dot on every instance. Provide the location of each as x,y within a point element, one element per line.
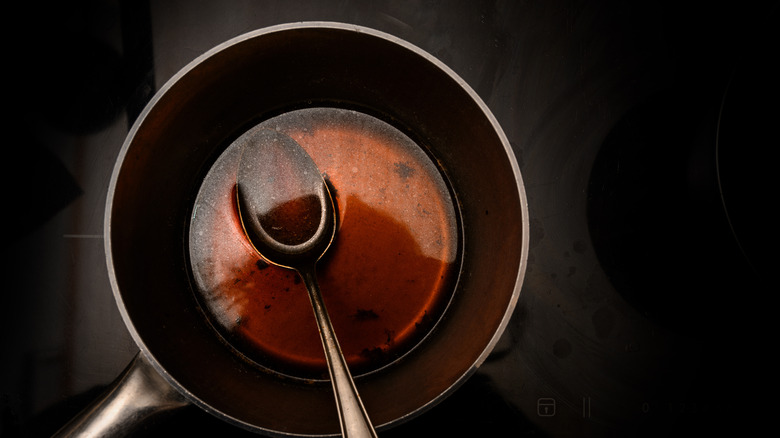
<point>641,313</point>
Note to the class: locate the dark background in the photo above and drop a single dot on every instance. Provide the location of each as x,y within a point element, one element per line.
<point>642,130</point>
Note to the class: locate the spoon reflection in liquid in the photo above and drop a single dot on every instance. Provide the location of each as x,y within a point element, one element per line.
<point>288,215</point>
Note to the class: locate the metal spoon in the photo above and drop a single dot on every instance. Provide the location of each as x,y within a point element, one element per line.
<point>288,215</point>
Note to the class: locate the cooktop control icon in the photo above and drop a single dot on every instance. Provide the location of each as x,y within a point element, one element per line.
<point>545,407</point>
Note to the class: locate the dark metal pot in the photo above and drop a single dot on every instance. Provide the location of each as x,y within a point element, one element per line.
<point>185,127</point>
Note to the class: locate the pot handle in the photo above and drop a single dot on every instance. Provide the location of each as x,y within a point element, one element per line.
<point>139,394</point>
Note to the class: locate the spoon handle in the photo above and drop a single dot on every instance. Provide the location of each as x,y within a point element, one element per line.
<point>352,414</point>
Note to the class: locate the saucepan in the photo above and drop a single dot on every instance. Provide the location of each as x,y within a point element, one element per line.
<point>182,360</point>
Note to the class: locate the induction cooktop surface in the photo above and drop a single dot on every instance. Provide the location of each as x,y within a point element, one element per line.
<point>640,130</point>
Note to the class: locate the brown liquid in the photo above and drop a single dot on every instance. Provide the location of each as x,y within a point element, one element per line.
<point>293,222</point>
<point>385,280</point>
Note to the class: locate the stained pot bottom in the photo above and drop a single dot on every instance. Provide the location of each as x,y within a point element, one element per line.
<point>387,278</point>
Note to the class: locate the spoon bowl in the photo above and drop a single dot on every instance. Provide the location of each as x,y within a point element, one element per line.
<point>288,215</point>
<point>285,205</point>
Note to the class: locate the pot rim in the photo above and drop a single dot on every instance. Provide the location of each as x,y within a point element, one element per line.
<point>299,26</point>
